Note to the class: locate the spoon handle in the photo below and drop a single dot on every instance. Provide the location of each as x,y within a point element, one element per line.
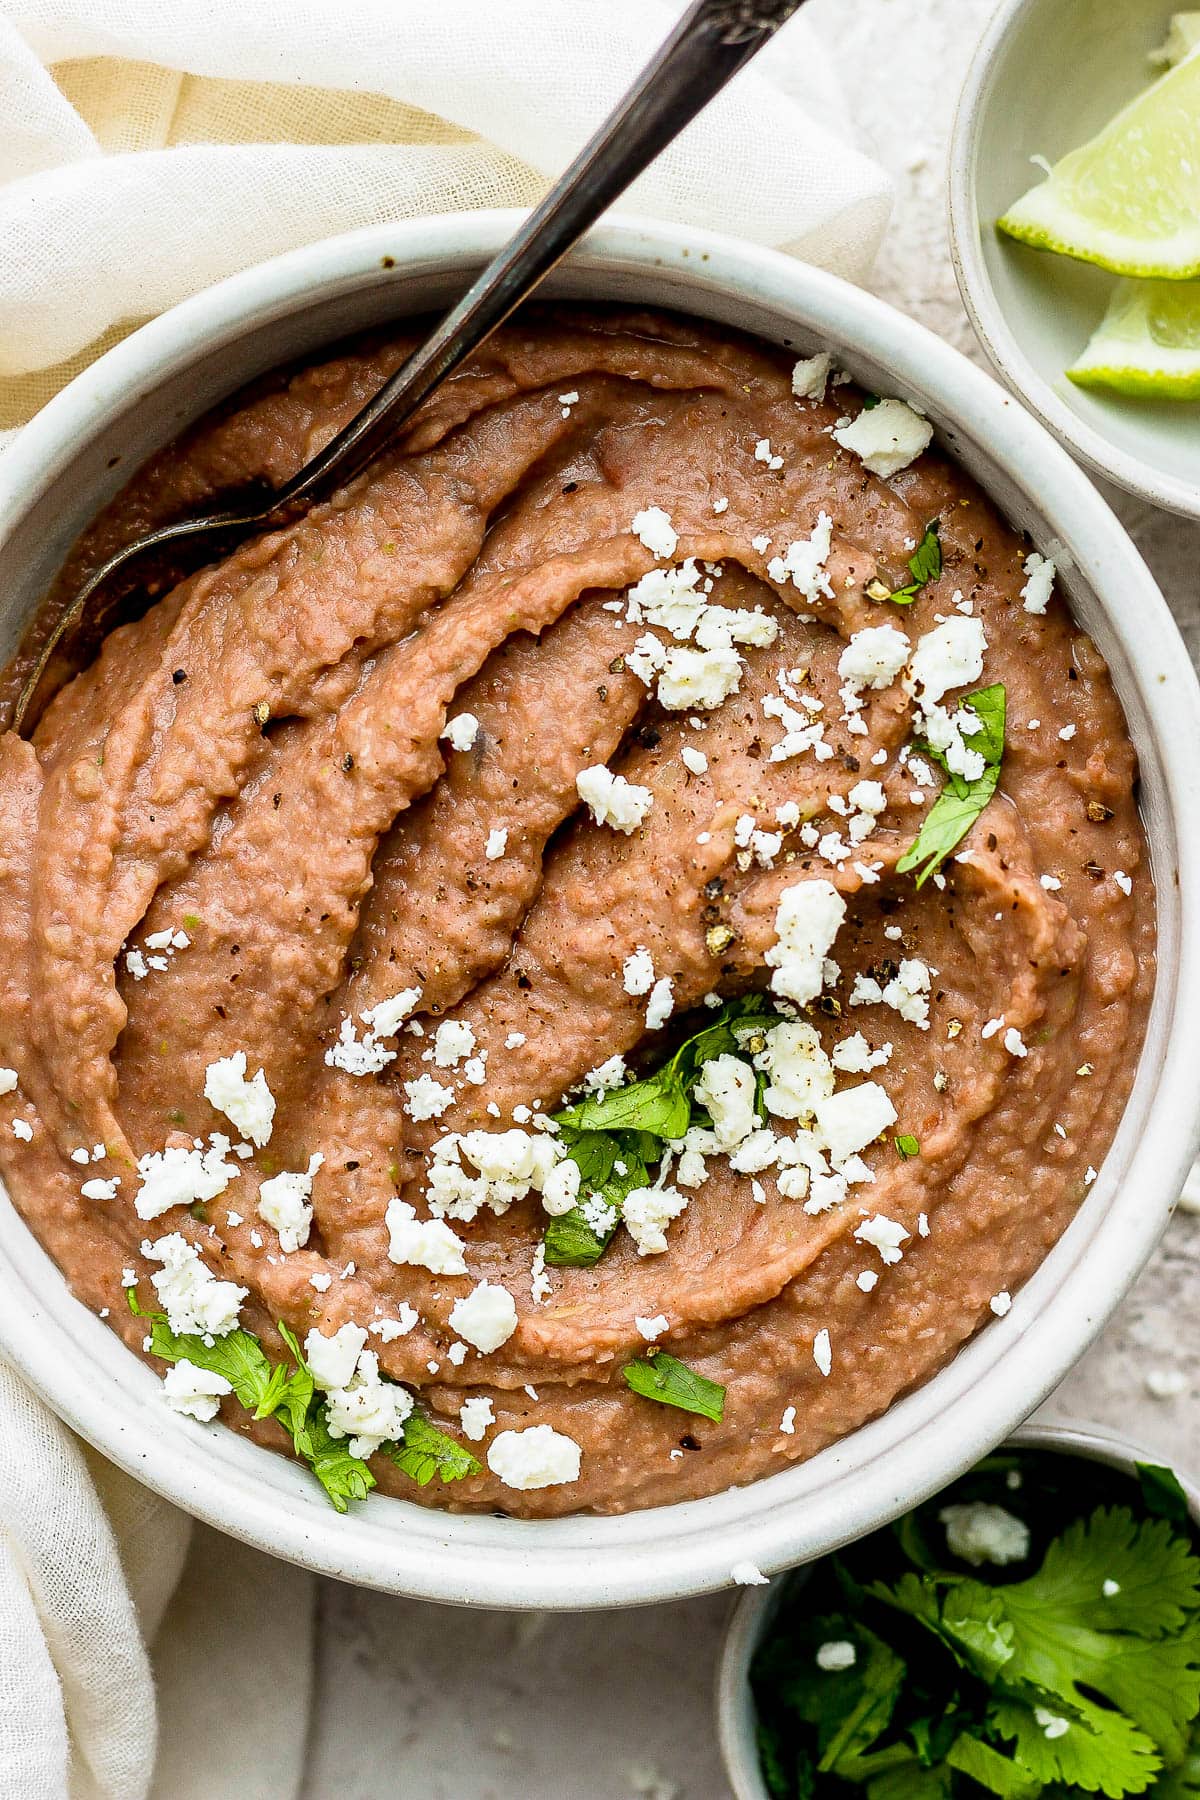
<point>711,42</point>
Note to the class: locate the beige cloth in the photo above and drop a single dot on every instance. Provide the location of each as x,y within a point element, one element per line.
<point>147,149</point>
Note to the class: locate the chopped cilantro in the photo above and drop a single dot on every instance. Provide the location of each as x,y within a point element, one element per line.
<point>924,565</point>
<point>1080,1678</point>
<point>427,1452</point>
<point>960,802</point>
<point>907,1145</point>
<point>616,1138</point>
<point>672,1383</point>
<point>275,1390</point>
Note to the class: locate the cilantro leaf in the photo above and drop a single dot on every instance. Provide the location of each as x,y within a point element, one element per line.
<point>630,1125</point>
<point>343,1476</point>
<point>1162,1493</point>
<point>1100,1751</point>
<point>960,802</point>
<point>907,1145</point>
<point>850,1708</point>
<point>1156,1575</point>
<point>1183,1782</point>
<point>993,1770</point>
<point>657,1104</point>
<point>672,1383</point>
<point>572,1240</point>
<point>924,565</point>
<point>572,1243</point>
<point>427,1452</point>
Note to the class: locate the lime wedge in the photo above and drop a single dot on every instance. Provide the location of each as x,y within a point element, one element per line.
<point>1148,343</point>
<point>1130,198</point>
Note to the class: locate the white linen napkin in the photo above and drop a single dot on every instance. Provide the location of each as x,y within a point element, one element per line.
<point>147,149</point>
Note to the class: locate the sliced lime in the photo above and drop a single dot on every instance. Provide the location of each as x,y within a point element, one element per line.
<point>1148,342</point>
<point>1129,199</point>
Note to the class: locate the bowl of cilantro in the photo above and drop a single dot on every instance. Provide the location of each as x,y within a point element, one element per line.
<point>1033,1629</point>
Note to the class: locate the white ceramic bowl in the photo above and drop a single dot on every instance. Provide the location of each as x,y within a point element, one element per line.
<point>753,1613</point>
<point>69,462</point>
<point>1045,77</point>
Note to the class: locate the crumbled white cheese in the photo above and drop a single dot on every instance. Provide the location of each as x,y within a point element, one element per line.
<point>672,599</point>
<point>1123,881</point>
<point>887,437</point>
<point>800,1071</point>
<point>452,1040</point>
<point>425,1243</point>
<point>810,376</point>
<point>388,1330</point>
<point>364,1055</point>
<point>249,1105</point>
<point>981,1533</point>
<point>949,656</point>
<point>180,1177</point>
<point>725,1088</point>
<point>807,920</point>
<point>652,1329</point>
<point>611,799</point>
<point>476,1415</point>
<point>333,1360</point>
<point>647,1212</point>
<point>191,1296</point>
<point>803,562</point>
<point>1001,1304</point>
<point>886,1234</point>
<point>850,1120</point>
<point>605,1077</point>
<point>386,1018</point>
<point>101,1190</point>
<point>823,1352</point>
<point>693,680</point>
<point>764,454</point>
<point>788,1422</point>
<point>497,843</point>
<point>1014,1043</point>
<point>537,1457</point>
<point>1040,585</point>
<point>283,1203</point>
<point>855,1056</point>
<point>368,1410</point>
<point>486,1317</point>
<point>194,1391</point>
<point>8,1080</point>
<point>694,761</point>
<point>460,733</point>
<point>638,972</point>
<point>427,1098</point>
<point>661,1004</point>
<point>874,657</point>
<point>652,526</point>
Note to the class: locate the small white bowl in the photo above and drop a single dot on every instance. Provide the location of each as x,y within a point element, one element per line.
<point>84,446</point>
<point>748,1622</point>
<point>1045,78</point>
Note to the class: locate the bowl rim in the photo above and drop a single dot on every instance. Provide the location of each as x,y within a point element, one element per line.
<point>749,1616</point>
<point>996,338</point>
<point>921,1441</point>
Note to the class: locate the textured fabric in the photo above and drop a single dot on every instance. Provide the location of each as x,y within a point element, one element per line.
<point>150,147</point>
<point>147,149</point>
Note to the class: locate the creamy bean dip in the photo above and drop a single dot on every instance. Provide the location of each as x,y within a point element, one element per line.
<point>607,952</point>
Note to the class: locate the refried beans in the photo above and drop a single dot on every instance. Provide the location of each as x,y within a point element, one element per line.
<point>601,713</point>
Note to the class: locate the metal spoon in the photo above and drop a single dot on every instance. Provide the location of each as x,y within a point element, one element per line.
<point>712,41</point>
